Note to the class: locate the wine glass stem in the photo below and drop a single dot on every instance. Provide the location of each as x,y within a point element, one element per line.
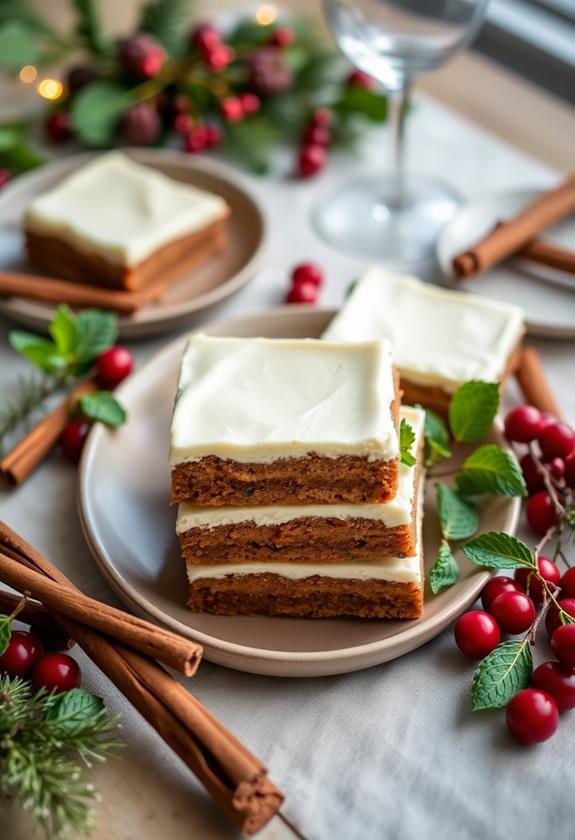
<point>397,101</point>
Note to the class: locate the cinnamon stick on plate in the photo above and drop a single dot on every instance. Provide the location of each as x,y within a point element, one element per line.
<point>533,383</point>
<point>546,253</point>
<point>236,779</point>
<point>510,236</point>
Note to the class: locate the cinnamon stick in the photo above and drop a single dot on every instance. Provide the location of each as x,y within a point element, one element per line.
<point>546,253</point>
<point>29,452</point>
<point>236,779</point>
<point>510,236</point>
<point>533,383</point>
<point>36,615</point>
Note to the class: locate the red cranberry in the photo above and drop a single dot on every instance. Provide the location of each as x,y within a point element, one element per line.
<point>232,110</point>
<point>113,365</point>
<point>302,293</point>
<point>312,160</point>
<point>357,78</point>
<point>540,513</point>
<point>141,55</point>
<point>307,273</point>
<point>527,580</point>
<point>322,117</point>
<point>213,135</point>
<point>532,476</point>
<point>317,135</point>
<point>196,139</point>
<point>568,583</point>
<point>218,58</point>
<point>205,36</point>
<point>557,681</point>
<point>283,37</point>
<point>57,127</point>
<point>250,103</point>
<point>141,124</point>
<point>570,470</point>
<point>23,651</point>
<point>5,176</point>
<point>80,76</point>
<point>557,441</point>
<point>553,618</point>
<point>513,611</point>
<point>495,587</point>
<point>532,716</point>
<point>56,672</point>
<point>523,423</point>
<point>563,645</point>
<point>477,634</point>
<point>183,123</point>
<point>73,438</point>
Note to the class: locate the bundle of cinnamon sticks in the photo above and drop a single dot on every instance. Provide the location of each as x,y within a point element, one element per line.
<point>517,237</point>
<point>128,649</point>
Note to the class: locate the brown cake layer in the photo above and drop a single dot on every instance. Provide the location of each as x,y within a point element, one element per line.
<point>57,257</point>
<point>313,597</point>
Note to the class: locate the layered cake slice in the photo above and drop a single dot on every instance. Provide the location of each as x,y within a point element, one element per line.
<point>440,338</point>
<point>119,224</point>
<point>337,533</point>
<point>284,422</point>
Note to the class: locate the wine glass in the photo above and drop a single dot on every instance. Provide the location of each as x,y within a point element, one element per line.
<point>395,216</point>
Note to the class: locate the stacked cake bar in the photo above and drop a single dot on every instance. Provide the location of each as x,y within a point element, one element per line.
<point>285,462</point>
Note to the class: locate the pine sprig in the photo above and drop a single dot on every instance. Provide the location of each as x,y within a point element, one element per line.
<point>28,396</point>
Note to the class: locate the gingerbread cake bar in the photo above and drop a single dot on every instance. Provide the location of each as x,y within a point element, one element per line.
<point>441,338</point>
<point>119,224</point>
<point>307,533</point>
<point>262,421</point>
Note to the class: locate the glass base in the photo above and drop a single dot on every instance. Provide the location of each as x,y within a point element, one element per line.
<point>365,219</point>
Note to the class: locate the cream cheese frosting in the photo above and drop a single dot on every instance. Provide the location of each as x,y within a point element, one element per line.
<point>439,337</point>
<point>121,210</point>
<point>392,514</point>
<point>256,400</point>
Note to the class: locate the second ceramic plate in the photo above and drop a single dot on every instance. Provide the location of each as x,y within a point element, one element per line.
<point>124,505</point>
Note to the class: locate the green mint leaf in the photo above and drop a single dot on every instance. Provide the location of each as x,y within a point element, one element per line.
<point>10,135</point>
<point>74,706</point>
<point>472,409</point>
<point>497,550</point>
<point>457,515</point>
<point>41,352</point>
<point>166,20</point>
<point>503,672</point>
<point>97,330</point>
<point>64,330</point>
<point>445,570</point>
<point>88,25</point>
<point>5,632</point>
<point>20,158</point>
<point>368,103</point>
<point>96,110</point>
<point>491,469</point>
<point>406,441</point>
<point>17,45</point>
<point>437,438</point>
<point>103,406</point>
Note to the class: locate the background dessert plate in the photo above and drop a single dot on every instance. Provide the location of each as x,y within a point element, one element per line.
<point>124,494</point>
<point>547,296</point>
<point>208,284</point>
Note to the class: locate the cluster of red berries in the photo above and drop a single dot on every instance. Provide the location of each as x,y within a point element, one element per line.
<point>551,452</point>
<point>112,366</point>
<point>26,656</point>
<point>306,282</point>
<point>315,142</point>
<point>509,606</point>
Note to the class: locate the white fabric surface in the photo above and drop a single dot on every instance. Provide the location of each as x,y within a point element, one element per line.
<point>392,752</point>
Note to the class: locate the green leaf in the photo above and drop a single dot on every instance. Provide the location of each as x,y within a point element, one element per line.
<point>64,330</point>
<point>20,158</point>
<point>491,469</point>
<point>457,515</point>
<point>103,406</point>
<point>503,672</point>
<point>368,103</point>
<point>17,45</point>
<point>5,632</point>
<point>437,438</point>
<point>497,550</point>
<point>88,25</point>
<point>251,142</point>
<point>25,14</point>
<point>74,706</point>
<point>445,570</point>
<point>98,330</point>
<point>472,409</point>
<point>166,20</point>
<point>10,135</point>
<point>96,112</point>
<point>41,352</point>
<point>406,441</point>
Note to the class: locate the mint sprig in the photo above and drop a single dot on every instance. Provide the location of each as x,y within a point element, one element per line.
<point>458,516</point>
<point>445,570</point>
<point>436,436</point>
<point>104,407</point>
<point>497,550</point>
<point>406,441</point>
<point>491,469</point>
<point>503,672</point>
<point>74,706</point>
<point>472,409</point>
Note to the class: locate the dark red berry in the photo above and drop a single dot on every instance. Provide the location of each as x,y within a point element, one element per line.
<point>513,611</point>
<point>213,135</point>
<point>322,117</point>
<point>141,124</point>
<point>563,645</point>
<point>556,467</point>
<point>302,293</point>
<point>183,123</point>
<point>23,651</point>
<point>141,55</point>
<point>5,176</point>
<point>477,634</point>
<point>270,73</point>
<point>557,681</point>
<point>316,135</point>
<point>523,423</point>
<point>56,672</point>
<point>568,584</point>
<point>250,103</point>
<point>357,78</point>
<point>557,441</point>
<point>570,470</point>
<point>205,36</point>
<point>80,76</point>
<point>312,160</point>
<point>530,584</point>
<point>307,273</point>
<point>495,587</point>
<point>232,110</point>
<point>57,127</point>
<point>113,365</point>
<point>73,438</point>
<point>532,716</point>
<point>532,476</point>
<point>553,617</point>
<point>196,139</point>
<point>284,36</point>
<point>218,58</point>
<point>540,513</point>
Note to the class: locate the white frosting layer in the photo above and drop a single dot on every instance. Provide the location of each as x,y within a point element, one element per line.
<point>121,210</point>
<point>259,400</point>
<point>439,337</point>
<point>392,514</point>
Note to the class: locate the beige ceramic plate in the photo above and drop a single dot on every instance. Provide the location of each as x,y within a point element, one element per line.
<point>123,495</point>
<point>218,278</point>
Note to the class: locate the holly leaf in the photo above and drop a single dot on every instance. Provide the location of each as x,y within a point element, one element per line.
<point>64,330</point>
<point>436,437</point>
<point>104,407</point>
<point>503,672</point>
<point>472,409</point>
<point>5,632</point>
<point>88,25</point>
<point>445,570</point>
<point>17,45</point>
<point>96,111</point>
<point>457,515</point>
<point>497,550</point>
<point>406,441</point>
<point>40,351</point>
<point>359,100</point>
<point>491,469</point>
<point>97,330</point>
<point>74,706</point>
<point>166,20</point>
